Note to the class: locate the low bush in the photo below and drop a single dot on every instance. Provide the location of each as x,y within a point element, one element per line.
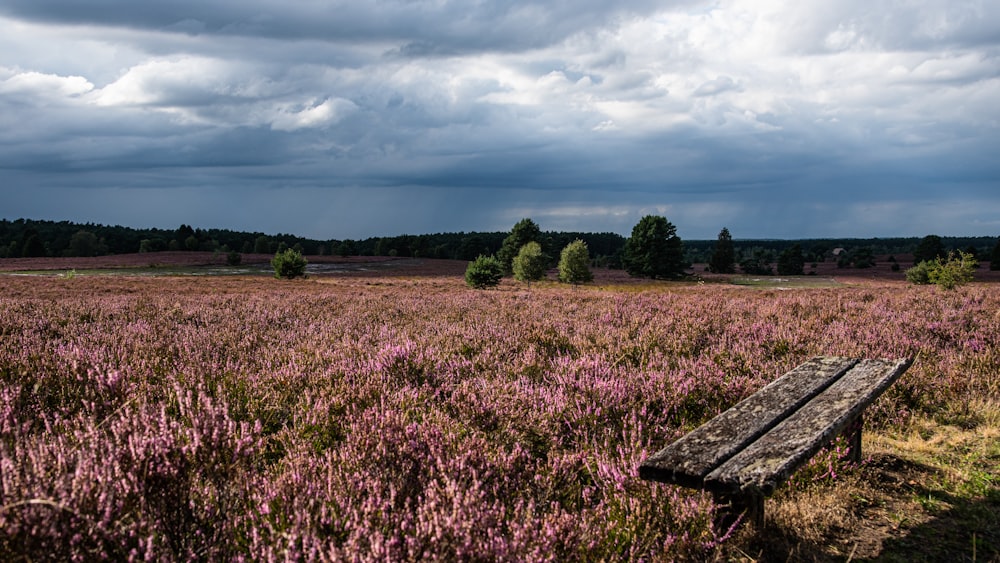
<point>483,272</point>
<point>956,270</point>
<point>289,264</point>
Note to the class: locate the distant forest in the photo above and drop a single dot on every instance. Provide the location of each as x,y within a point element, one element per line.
<point>31,238</point>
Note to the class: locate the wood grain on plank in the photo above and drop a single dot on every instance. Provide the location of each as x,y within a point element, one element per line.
<point>771,459</point>
<point>690,459</point>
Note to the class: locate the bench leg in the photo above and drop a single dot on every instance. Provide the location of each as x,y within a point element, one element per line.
<point>854,440</point>
<point>731,506</point>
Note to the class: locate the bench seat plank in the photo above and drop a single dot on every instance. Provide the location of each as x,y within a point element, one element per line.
<point>690,459</point>
<point>772,458</point>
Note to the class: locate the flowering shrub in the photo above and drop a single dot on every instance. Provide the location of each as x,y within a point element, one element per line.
<point>232,419</point>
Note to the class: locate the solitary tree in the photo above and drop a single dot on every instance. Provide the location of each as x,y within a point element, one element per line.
<point>724,255</point>
<point>529,264</point>
<point>791,262</point>
<point>654,250</point>
<point>524,231</point>
<point>289,264</point>
<point>574,263</point>
<point>484,271</point>
<point>995,257</point>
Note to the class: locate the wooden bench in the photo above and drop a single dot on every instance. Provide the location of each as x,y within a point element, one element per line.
<point>742,455</point>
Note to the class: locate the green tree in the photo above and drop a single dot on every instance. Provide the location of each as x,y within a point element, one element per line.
<point>929,248</point>
<point>346,248</point>
<point>32,247</point>
<point>523,232</point>
<point>471,246</point>
<point>654,250</point>
<point>995,257</point>
<point>862,257</point>
<point>757,264</point>
<point>921,273</point>
<point>289,264</point>
<point>723,255</point>
<point>182,234</point>
<point>84,243</point>
<point>791,262</point>
<point>958,269</point>
<point>574,263</point>
<point>484,271</point>
<point>529,264</point>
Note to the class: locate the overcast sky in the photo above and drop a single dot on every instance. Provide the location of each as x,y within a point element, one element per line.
<point>348,119</point>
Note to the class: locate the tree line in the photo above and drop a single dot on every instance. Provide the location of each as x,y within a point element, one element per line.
<point>25,238</point>
<point>38,238</point>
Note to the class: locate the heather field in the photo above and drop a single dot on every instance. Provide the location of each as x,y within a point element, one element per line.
<point>409,418</point>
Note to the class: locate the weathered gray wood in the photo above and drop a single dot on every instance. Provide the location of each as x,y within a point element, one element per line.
<point>690,459</point>
<point>765,464</point>
<point>853,434</point>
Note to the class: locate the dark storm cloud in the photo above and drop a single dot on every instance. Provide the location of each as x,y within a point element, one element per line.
<point>773,118</point>
<point>423,27</point>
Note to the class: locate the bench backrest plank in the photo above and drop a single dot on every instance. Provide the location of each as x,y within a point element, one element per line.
<point>770,460</point>
<point>689,460</point>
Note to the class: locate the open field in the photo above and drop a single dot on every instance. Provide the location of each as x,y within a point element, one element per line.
<point>390,413</point>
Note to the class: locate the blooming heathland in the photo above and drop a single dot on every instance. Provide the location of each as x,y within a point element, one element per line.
<point>411,419</point>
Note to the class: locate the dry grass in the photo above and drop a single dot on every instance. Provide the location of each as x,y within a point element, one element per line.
<point>929,492</point>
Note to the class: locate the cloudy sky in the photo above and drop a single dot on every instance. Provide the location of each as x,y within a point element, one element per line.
<point>349,119</point>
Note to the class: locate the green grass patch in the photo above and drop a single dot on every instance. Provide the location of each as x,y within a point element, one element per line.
<point>145,271</point>
<point>785,282</point>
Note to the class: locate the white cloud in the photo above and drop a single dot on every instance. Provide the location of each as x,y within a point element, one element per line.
<point>716,86</point>
<point>320,115</point>
<point>184,81</point>
<point>32,84</point>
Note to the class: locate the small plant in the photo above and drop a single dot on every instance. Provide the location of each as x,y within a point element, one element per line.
<point>289,264</point>
<point>956,270</point>
<point>921,273</point>
<point>483,272</point>
<point>234,258</point>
